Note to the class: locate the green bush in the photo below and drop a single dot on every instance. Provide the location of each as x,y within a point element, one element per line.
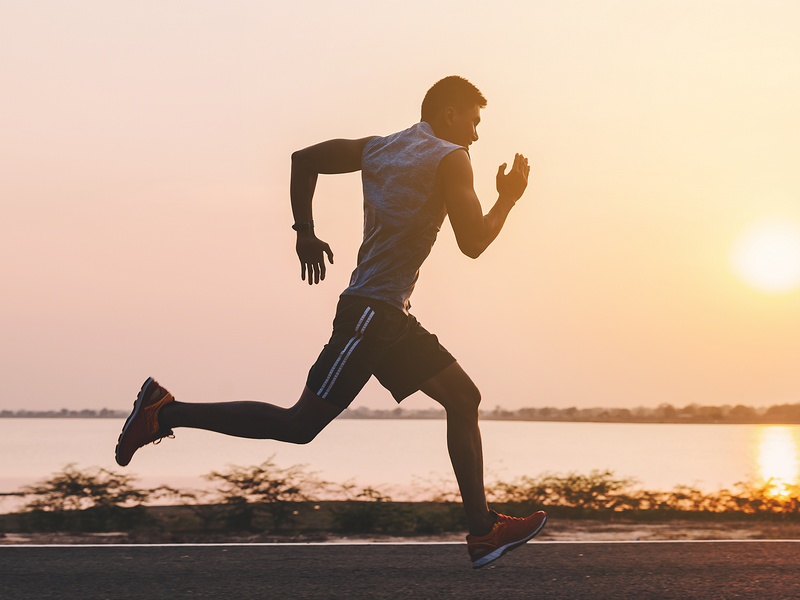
<point>369,511</point>
<point>597,491</point>
<point>91,500</point>
<point>265,489</point>
<point>268,497</point>
<point>601,492</point>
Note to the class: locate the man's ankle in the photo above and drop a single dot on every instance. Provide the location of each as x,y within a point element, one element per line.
<point>485,526</point>
<point>164,423</point>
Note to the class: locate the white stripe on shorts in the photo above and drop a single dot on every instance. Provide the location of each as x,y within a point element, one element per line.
<point>346,352</point>
<point>353,347</point>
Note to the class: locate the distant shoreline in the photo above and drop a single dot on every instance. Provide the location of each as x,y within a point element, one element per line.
<point>783,414</point>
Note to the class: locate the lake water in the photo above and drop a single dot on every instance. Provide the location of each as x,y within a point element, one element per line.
<point>396,456</point>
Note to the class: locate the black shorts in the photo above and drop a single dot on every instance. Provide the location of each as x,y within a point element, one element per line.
<point>369,338</point>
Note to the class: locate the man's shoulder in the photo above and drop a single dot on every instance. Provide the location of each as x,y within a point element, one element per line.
<point>455,170</point>
<point>456,161</point>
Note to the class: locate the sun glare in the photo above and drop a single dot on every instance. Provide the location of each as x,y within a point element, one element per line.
<point>778,458</point>
<point>767,256</point>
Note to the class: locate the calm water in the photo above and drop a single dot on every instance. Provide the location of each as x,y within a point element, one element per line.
<point>396,455</point>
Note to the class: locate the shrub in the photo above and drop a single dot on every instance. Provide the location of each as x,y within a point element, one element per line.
<point>597,491</point>
<point>264,489</point>
<point>92,500</point>
<point>368,511</point>
<point>601,492</point>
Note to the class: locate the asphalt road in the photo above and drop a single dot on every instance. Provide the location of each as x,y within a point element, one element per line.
<point>538,570</point>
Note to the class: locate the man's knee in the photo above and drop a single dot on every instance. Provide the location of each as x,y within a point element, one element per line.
<point>307,418</point>
<point>474,397</point>
<point>304,437</point>
<point>301,433</point>
<point>466,402</point>
<point>455,391</point>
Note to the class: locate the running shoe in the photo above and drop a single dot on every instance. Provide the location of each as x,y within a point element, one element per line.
<point>142,427</point>
<point>507,534</point>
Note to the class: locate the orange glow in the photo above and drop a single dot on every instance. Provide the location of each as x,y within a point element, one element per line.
<point>778,458</point>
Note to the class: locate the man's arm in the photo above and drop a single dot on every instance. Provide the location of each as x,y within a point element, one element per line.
<point>474,230</point>
<point>331,157</point>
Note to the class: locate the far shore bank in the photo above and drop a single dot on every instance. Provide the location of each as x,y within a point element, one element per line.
<point>597,416</point>
<point>726,414</point>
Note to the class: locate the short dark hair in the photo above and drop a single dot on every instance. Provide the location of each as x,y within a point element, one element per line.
<point>452,91</point>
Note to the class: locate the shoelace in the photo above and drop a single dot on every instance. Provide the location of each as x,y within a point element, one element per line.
<point>507,518</point>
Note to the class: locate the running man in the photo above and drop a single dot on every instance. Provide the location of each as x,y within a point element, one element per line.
<point>412,180</point>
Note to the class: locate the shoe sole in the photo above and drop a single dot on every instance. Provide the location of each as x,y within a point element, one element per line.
<point>492,556</point>
<point>137,405</point>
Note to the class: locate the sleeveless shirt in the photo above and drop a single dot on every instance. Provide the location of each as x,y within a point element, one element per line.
<point>403,212</point>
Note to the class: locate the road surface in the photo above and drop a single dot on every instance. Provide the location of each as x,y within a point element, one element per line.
<point>581,570</point>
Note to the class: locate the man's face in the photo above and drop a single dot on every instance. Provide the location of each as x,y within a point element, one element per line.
<point>464,126</point>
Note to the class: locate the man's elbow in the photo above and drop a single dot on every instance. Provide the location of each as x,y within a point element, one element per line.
<point>304,163</point>
<point>472,250</point>
<point>300,156</point>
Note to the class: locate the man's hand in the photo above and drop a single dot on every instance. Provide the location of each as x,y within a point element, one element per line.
<point>310,250</point>
<point>512,186</point>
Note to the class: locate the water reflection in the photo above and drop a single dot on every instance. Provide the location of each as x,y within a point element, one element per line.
<point>778,461</point>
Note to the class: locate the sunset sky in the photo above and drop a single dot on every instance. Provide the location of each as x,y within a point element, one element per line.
<point>145,218</point>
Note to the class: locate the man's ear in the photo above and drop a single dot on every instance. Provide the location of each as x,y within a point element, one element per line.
<point>448,115</point>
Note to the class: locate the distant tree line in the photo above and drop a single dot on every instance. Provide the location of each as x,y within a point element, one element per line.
<point>784,414</point>
<point>664,413</point>
<point>362,412</point>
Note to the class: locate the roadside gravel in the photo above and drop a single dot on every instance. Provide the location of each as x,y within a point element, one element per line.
<point>556,530</point>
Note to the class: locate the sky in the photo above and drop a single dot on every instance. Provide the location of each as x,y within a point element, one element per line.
<point>145,217</point>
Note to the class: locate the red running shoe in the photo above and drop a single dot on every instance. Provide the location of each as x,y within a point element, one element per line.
<point>142,428</point>
<point>507,534</point>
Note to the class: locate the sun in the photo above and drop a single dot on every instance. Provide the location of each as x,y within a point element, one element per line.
<point>767,256</point>
<point>778,459</point>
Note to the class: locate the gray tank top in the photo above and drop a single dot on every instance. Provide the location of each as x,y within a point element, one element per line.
<point>403,213</point>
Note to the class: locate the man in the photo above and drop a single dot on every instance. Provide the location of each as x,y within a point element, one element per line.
<point>412,180</point>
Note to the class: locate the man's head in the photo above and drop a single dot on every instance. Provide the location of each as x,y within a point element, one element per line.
<point>452,107</point>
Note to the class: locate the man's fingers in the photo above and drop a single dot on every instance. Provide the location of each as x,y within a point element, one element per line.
<point>312,252</point>
<point>501,170</point>
<point>521,165</point>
